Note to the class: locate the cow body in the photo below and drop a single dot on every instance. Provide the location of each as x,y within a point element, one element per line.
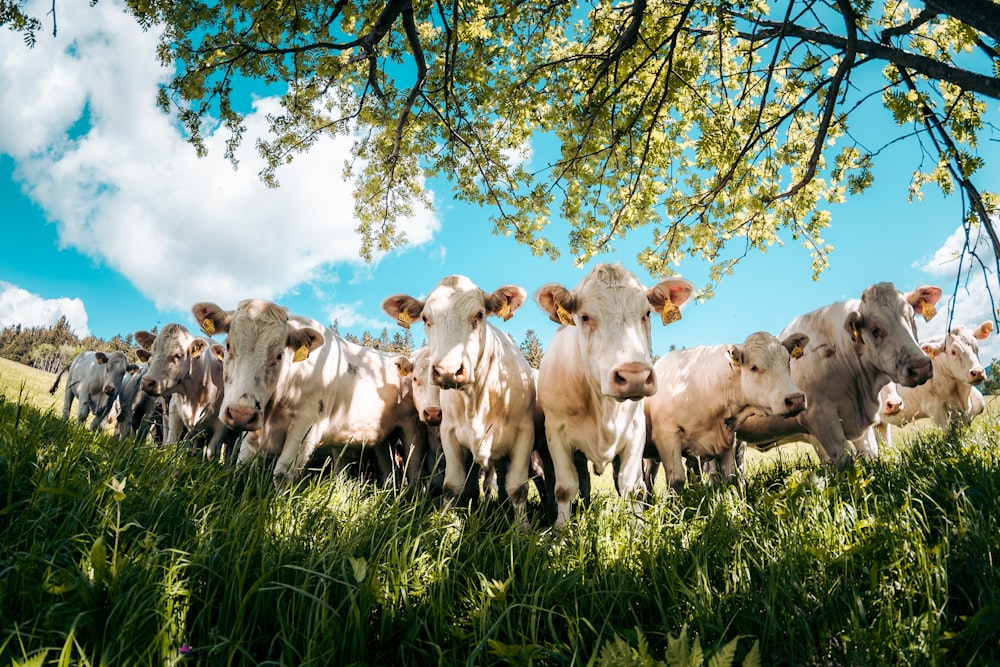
<point>181,367</point>
<point>703,392</point>
<point>947,398</point>
<point>487,391</point>
<point>595,372</point>
<point>856,348</point>
<point>94,379</point>
<point>134,405</point>
<point>296,386</point>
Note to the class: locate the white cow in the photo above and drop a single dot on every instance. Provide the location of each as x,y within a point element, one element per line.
<point>705,391</point>
<point>297,386</point>
<point>181,368</point>
<point>597,369</point>
<point>95,379</point>
<point>947,397</point>
<point>488,394</point>
<point>856,347</point>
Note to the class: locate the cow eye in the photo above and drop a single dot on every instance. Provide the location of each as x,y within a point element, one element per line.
<point>178,356</point>
<point>426,321</point>
<point>585,318</point>
<point>754,368</point>
<point>878,333</point>
<point>479,315</point>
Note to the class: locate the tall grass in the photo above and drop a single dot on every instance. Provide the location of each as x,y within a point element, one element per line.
<point>117,552</point>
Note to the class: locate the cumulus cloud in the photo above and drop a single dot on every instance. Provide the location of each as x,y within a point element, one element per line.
<point>348,317</point>
<point>19,306</point>
<point>122,185</point>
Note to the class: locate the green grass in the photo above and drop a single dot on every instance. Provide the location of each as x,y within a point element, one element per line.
<point>123,553</point>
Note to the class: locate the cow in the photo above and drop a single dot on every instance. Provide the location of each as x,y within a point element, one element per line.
<point>134,405</point>
<point>856,347</point>
<point>596,372</point>
<point>703,392</point>
<point>947,397</point>
<point>181,368</point>
<point>95,379</point>
<point>488,393</point>
<point>296,386</point>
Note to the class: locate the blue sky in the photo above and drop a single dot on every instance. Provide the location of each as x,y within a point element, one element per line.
<point>111,219</point>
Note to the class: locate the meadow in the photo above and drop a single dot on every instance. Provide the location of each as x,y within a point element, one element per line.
<point>118,552</point>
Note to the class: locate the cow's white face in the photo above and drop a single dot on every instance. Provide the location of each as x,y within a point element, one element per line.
<point>957,354</point>
<point>884,333</point>
<point>765,374</point>
<point>261,345</point>
<point>454,317</point>
<point>612,310</point>
<point>890,402</point>
<point>170,362</point>
<point>426,394</point>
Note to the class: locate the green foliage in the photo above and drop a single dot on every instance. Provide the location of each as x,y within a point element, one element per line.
<point>52,348</point>
<point>122,552</point>
<point>992,385</point>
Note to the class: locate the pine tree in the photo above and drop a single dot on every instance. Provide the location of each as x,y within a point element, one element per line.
<point>531,348</point>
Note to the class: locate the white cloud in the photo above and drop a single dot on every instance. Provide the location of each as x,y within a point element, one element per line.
<point>131,192</point>
<point>972,302</point>
<point>348,318</point>
<point>19,306</point>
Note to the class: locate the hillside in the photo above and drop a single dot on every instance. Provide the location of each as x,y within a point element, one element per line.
<point>17,379</point>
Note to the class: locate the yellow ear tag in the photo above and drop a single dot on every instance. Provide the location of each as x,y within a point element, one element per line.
<point>927,310</point>
<point>564,315</point>
<point>301,353</point>
<point>404,319</point>
<point>931,353</point>
<point>856,334</point>
<point>505,312</point>
<point>988,328</point>
<point>670,313</point>
<point>208,326</point>
<point>220,356</point>
<point>403,372</point>
<point>796,352</point>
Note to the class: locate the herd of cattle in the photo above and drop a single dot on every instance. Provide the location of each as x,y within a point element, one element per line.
<point>285,386</point>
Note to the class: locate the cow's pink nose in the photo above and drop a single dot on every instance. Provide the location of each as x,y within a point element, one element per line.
<point>976,376</point>
<point>447,379</point>
<point>893,406</point>
<point>634,380</point>
<point>242,418</point>
<point>795,403</point>
<point>431,416</point>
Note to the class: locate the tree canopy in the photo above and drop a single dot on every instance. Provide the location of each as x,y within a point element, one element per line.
<point>715,126</point>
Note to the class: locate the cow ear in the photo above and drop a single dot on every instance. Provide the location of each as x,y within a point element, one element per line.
<point>145,339</point>
<point>557,301</point>
<point>795,344</point>
<point>211,318</point>
<point>983,331</point>
<point>932,350</point>
<point>131,369</point>
<point>735,355</point>
<point>404,366</point>
<point>667,297</point>
<point>853,325</point>
<point>505,300</point>
<point>101,358</point>
<point>923,300</point>
<point>218,351</point>
<point>143,355</point>
<point>304,341</point>
<point>403,308</point>
<point>196,347</point>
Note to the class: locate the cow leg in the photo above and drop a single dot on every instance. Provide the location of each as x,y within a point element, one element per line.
<point>583,475</point>
<point>67,401</point>
<point>175,422</point>
<point>517,473</point>
<point>299,445</point>
<point>866,445</point>
<point>630,476</point>
<point>828,439</point>
<point>415,445</point>
<point>454,465</point>
<point>567,482</point>
<point>668,445</point>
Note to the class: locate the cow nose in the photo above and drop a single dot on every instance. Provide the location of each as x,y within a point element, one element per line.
<point>977,375</point>
<point>892,406</point>
<point>149,386</point>
<point>109,389</point>
<point>242,418</point>
<point>432,416</point>
<point>447,379</point>
<point>634,380</point>
<point>918,372</point>
<point>795,403</point>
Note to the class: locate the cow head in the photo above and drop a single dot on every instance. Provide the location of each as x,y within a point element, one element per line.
<point>890,401</point>
<point>956,355</point>
<point>113,367</point>
<point>611,309</point>
<point>454,317</point>
<point>884,335</point>
<point>763,363</point>
<point>426,394</point>
<point>171,354</point>
<point>261,345</point>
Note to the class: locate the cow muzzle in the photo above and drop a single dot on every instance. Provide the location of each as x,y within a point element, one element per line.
<point>242,417</point>
<point>109,389</point>
<point>977,376</point>
<point>917,372</point>
<point>150,386</point>
<point>794,404</point>
<point>431,416</point>
<point>447,379</point>
<point>632,381</point>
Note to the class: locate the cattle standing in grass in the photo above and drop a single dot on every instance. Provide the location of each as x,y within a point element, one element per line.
<point>181,367</point>
<point>134,405</point>
<point>947,397</point>
<point>297,386</point>
<point>856,347</point>
<point>488,394</point>
<point>703,392</point>
<point>95,379</point>
<point>596,372</point>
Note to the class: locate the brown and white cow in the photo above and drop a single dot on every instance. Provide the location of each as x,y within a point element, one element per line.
<point>595,372</point>
<point>95,379</point>
<point>947,397</point>
<point>856,347</point>
<point>297,386</point>
<point>488,394</point>
<point>181,368</point>
<point>703,392</point>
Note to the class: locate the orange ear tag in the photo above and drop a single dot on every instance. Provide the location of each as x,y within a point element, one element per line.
<point>301,353</point>
<point>505,312</point>
<point>796,352</point>
<point>670,313</point>
<point>208,326</point>
<point>564,315</point>
<point>927,310</point>
<point>404,319</point>
<point>403,372</point>
<point>856,334</point>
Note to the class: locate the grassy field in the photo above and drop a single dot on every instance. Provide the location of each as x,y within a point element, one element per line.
<point>124,553</point>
